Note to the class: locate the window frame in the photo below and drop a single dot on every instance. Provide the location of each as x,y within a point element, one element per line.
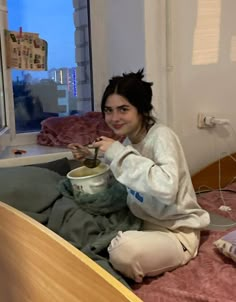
<point>2,92</point>
<point>9,137</point>
<point>5,133</point>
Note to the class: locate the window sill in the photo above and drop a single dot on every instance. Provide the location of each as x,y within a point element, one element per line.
<point>35,154</point>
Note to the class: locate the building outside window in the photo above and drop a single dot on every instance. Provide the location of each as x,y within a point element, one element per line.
<point>66,87</point>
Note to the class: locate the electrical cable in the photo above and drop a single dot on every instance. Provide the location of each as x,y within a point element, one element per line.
<point>224,207</point>
<point>223,225</point>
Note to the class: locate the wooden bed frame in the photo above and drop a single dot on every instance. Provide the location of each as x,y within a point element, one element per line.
<point>209,176</point>
<point>38,265</point>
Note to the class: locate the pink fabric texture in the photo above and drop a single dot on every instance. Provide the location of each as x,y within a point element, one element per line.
<point>210,277</point>
<point>61,131</point>
<point>211,201</point>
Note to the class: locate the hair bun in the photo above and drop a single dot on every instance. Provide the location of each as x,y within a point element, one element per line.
<point>139,75</point>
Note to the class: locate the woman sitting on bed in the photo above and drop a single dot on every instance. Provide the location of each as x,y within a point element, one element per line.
<point>152,165</point>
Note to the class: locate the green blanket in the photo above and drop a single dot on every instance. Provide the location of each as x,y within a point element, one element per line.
<point>88,222</point>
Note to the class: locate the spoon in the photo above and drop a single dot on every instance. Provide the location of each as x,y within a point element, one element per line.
<point>92,162</point>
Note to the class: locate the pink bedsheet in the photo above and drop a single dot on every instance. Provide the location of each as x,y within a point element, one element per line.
<point>214,199</point>
<point>61,131</point>
<point>210,277</point>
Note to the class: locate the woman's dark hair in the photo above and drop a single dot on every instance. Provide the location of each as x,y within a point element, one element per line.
<point>138,93</point>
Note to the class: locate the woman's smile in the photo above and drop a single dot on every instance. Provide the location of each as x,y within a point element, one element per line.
<point>117,126</point>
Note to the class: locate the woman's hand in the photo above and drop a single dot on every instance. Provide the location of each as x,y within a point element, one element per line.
<point>79,151</point>
<point>103,143</point>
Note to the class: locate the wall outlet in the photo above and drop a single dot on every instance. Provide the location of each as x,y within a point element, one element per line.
<point>201,121</point>
<point>209,121</point>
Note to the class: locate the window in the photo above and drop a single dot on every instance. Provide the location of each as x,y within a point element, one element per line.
<point>65,88</point>
<point>113,50</point>
<point>2,97</point>
<point>3,11</point>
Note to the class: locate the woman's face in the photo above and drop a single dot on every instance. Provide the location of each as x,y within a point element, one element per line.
<point>122,117</point>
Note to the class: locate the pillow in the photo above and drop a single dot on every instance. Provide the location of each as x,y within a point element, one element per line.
<point>227,245</point>
<point>61,166</point>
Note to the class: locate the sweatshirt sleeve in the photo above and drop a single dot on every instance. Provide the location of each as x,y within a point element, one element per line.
<point>157,174</point>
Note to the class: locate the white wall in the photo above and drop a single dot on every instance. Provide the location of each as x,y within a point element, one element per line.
<point>202,53</point>
<point>118,40</point>
<point>128,35</point>
<point>125,36</point>
<point>188,48</point>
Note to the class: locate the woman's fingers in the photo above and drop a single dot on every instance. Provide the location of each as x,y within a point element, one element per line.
<point>75,146</point>
<point>79,151</point>
<point>103,143</point>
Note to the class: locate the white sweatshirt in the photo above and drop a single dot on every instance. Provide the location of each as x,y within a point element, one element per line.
<point>157,178</point>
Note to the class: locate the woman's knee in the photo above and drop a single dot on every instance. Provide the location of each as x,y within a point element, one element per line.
<point>137,254</point>
<point>126,243</point>
<point>125,256</point>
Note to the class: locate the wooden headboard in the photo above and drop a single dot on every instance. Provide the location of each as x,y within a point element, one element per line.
<point>37,265</point>
<point>209,176</point>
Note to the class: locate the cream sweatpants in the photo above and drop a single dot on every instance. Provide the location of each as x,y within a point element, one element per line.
<point>152,251</point>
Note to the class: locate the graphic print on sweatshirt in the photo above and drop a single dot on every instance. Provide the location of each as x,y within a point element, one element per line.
<point>137,195</point>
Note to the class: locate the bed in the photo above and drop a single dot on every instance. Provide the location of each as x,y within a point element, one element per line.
<point>40,264</point>
<point>211,276</point>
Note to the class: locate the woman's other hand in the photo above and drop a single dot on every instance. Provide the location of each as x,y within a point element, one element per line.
<point>79,151</point>
<point>103,143</point>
